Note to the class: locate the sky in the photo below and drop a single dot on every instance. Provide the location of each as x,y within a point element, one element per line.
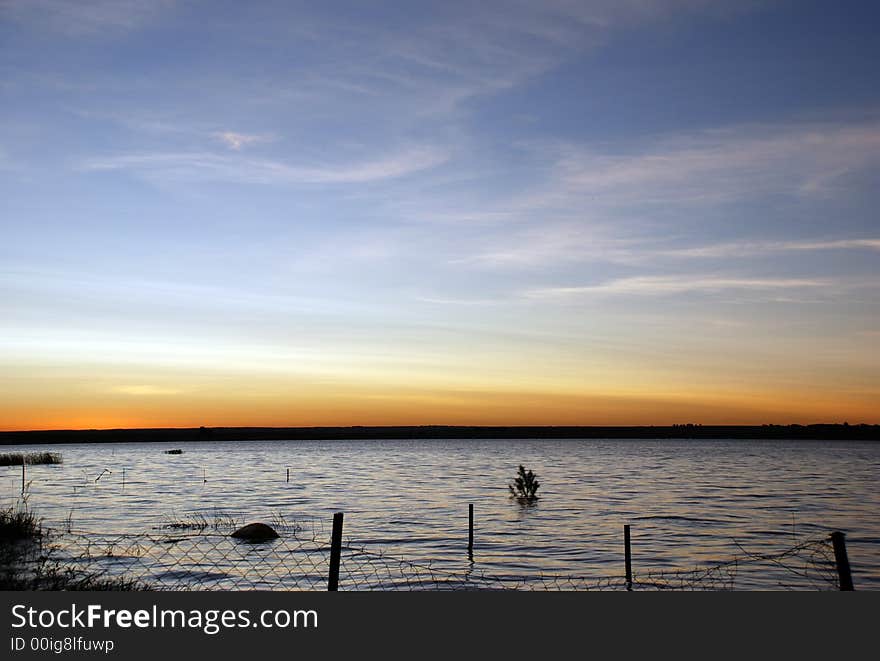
<point>280,213</point>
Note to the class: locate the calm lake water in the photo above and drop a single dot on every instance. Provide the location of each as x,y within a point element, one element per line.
<point>689,502</point>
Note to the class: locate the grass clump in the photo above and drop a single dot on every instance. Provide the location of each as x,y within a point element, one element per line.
<point>197,521</point>
<point>30,458</point>
<point>18,523</point>
<point>46,575</point>
<point>26,560</point>
<point>21,537</point>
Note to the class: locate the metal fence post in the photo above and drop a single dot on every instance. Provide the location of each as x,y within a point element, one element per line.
<point>627,557</point>
<point>335,553</point>
<point>471,531</point>
<point>838,539</point>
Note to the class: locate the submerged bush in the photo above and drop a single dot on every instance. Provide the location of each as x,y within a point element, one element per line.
<point>31,458</point>
<point>524,485</point>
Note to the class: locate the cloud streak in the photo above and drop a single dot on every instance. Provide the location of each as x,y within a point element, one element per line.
<point>85,17</point>
<point>208,166</point>
<point>757,248</point>
<point>600,206</point>
<point>145,390</point>
<point>678,284</point>
<point>236,141</point>
<point>712,166</point>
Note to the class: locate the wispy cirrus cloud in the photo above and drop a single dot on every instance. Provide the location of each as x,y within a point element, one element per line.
<point>679,284</point>
<point>464,52</point>
<point>796,158</point>
<point>569,243</point>
<point>85,17</point>
<point>595,205</point>
<point>556,243</point>
<point>209,166</point>
<point>145,390</point>
<point>236,141</point>
<point>756,248</point>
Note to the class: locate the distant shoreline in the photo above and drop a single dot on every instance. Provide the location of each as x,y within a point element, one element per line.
<point>185,435</point>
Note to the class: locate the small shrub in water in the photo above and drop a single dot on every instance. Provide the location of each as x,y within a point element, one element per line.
<point>524,485</point>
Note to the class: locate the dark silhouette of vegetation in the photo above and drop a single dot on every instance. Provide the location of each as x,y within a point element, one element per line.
<point>199,522</point>
<point>18,524</point>
<point>31,458</point>
<point>26,561</point>
<point>49,575</point>
<point>524,485</point>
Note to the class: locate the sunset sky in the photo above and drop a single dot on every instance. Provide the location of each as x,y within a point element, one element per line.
<point>282,213</point>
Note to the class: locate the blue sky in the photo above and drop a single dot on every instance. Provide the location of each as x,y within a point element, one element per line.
<point>439,203</point>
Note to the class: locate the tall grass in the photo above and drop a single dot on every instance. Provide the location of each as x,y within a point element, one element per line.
<point>31,458</point>
<point>26,562</point>
<point>18,523</point>
<point>197,521</point>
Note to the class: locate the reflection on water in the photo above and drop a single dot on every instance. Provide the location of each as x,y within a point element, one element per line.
<point>688,502</point>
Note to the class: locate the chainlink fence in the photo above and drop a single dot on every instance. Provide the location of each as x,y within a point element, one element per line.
<point>210,560</point>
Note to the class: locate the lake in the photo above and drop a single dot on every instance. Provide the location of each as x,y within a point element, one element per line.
<point>689,502</point>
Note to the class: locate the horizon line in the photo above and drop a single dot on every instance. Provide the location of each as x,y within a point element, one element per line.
<point>688,425</point>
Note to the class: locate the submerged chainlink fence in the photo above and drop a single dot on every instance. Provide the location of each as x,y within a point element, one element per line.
<point>807,566</point>
<point>210,560</point>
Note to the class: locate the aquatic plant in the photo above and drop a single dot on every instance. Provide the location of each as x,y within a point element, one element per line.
<point>524,485</point>
<point>31,458</point>
<point>280,522</point>
<point>197,521</point>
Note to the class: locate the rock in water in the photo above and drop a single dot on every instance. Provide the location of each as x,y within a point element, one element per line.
<point>255,532</point>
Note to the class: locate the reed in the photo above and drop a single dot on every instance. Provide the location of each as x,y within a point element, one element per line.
<point>197,521</point>
<point>32,458</point>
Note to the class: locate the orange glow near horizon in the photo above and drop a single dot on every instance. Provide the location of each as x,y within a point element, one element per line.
<point>352,408</point>
<point>481,383</point>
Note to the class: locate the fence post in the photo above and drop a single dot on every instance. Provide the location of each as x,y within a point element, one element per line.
<point>22,475</point>
<point>627,557</point>
<point>838,539</point>
<point>470,531</point>
<point>335,553</point>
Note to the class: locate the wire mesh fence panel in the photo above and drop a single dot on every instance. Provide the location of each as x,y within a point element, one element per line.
<point>202,561</point>
<point>807,566</point>
<point>208,560</point>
